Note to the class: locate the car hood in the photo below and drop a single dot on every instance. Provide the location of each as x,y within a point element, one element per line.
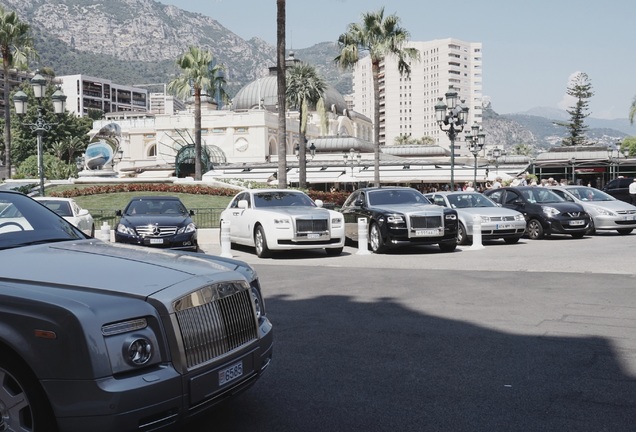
<point>487,211</point>
<point>564,207</point>
<point>610,205</point>
<point>164,220</point>
<point>96,265</point>
<point>410,208</point>
<point>312,212</point>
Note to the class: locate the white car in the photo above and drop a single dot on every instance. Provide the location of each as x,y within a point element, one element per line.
<point>607,212</point>
<point>71,211</point>
<point>283,219</point>
<point>496,222</point>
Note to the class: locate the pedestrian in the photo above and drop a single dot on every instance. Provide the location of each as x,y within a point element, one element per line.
<point>632,191</point>
<point>496,184</point>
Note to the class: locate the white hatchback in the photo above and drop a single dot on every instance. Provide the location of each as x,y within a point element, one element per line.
<point>71,211</point>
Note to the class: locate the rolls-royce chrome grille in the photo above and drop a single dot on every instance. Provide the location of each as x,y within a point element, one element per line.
<point>311,225</point>
<point>155,230</point>
<point>426,222</point>
<point>215,320</point>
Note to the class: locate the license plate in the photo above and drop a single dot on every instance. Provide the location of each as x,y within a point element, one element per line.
<point>629,218</point>
<point>313,235</point>
<point>427,233</point>
<point>230,373</point>
<point>156,241</point>
<point>505,226</point>
<point>577,222</point>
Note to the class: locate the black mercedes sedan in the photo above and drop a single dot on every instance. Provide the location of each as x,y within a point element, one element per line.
<point>157,221</point>
<point>397,216</point>
<point>546,212</point>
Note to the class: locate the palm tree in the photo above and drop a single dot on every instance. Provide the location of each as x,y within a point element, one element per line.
<point>281,83</point>
<point>16,46</point>
<point>304,89</point>
<point>201,76</point>
<point>632,111</point>
<point>380,37</point>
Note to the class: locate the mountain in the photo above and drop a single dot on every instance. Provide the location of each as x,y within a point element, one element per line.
<point>136,42</point>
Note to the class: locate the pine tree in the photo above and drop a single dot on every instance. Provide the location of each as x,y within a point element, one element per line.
<point>581,89</point>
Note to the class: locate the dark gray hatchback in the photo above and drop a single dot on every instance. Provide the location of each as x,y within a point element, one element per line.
<point>545,212</point>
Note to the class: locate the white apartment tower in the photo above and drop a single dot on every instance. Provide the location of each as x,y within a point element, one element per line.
<point>407,103</point>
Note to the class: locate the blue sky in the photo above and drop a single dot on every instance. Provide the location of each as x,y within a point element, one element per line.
<point>530,48</point>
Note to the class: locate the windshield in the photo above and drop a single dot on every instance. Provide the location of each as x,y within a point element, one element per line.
<point>282,199</point>
<point>155,206</point>
<point>585,193</point>
<point>396,196</point>
<point>24,221</point>
<point>541,196</point>
<point>469,200</point>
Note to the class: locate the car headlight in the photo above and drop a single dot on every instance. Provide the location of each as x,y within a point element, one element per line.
<point>550,211</point>
<point>520,217</point>
<point>336,221</point>
<point>191,227</point>
<point>282,221</point>
<point>600,211</point>
<point>123,229</point>
<point>485,219</point>
<point>259,306</point>
<point>131,344</point>
<point>450,216</point>
<point>395,219</point>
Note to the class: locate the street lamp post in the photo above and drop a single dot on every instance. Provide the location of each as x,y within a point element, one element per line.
<point>352,159</point>
<point>41,126</point>
<point>573,163</point>
<point>451,118</point>
<point>476,142</point>
<point>496,153</point>
<point>614,159</point>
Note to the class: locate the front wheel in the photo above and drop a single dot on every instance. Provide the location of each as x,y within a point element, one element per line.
<point>535,230</point>
<point>462,236</point>
<point>448,247</point>
<point>375,239</point>
<point>23,404</point>
<point>260,243</point>
<point>334,251</point>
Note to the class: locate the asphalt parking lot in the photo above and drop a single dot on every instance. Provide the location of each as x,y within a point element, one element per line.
<point>537,336</point>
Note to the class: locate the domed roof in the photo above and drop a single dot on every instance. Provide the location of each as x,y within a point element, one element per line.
<point>265,91</point>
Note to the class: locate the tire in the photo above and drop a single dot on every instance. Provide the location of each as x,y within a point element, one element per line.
<point>333,251</point>
<point>448,247</point>
<point>578,235</point>
<point>376,243</point>
<point>592,229</point>
<point>33,413</point>
<point>260,243</point>
<point>512,240</point>
<point>462,237</point>
<point>625,231</point>
<point>535,230</point>
<point>93,230</point>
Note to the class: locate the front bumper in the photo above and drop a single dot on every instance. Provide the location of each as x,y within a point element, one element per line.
<point>567,226</point>
<point>613,222</point>
<point>185,241</point>
<point>157,399</point>
<point>497,230</point>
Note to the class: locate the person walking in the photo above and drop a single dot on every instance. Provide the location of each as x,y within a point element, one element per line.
<point>632,192</point>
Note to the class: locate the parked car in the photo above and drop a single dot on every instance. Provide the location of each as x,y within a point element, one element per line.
<point>106,337</point>
<point>283,219</point>
<point>157,221</point>
<point>546,212</point>
<point>399,215</point>
<point>71,211</point>
<point>496,222</point>
<point>619,188</point>
<point>607,212</point>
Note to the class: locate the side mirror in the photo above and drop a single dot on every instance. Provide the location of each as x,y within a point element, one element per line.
<point>82,212</point>
<point>242,204</point>
<point>191,212</point>
<point>319,203</point>
<point>359,203</point>
<point>118,213</point>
